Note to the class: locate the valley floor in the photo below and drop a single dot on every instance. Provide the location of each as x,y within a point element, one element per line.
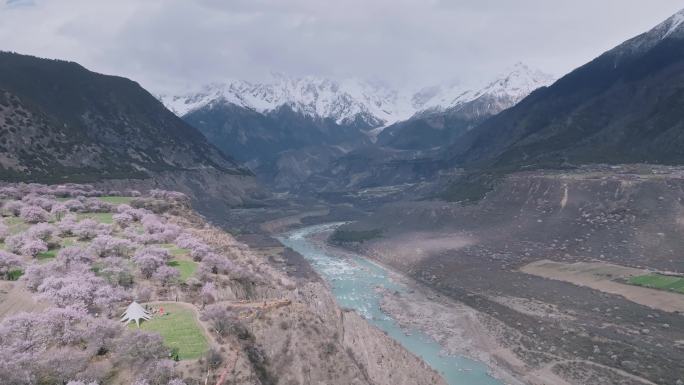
<point>541,266</point>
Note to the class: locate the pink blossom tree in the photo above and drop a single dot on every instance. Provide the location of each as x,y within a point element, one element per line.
<point>166,275</point>
<point>140,348</point>
<point>34,214</point>
<point>217,264</point>
<point>12,208</point>
<point>208,293</point>
<point>74,255</point>
<point>123,220</point>
<point>108,246</point>
<point>43,231</point>
<point>59,210</point>
<point>152,224</point>
<point>67,225</point>
<point>116,271</point>
<point>74,205</point>
<point>88,229</point>
<point>9,262</point>
<point>148,263</point>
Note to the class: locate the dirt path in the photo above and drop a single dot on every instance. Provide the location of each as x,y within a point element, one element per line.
<point>15,298</point>
<point>601,276</point>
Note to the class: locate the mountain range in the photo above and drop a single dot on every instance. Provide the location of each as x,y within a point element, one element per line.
<point>352,101</point>
<point>290,128</point>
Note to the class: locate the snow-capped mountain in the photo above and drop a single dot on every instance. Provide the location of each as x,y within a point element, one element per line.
<point>348,100</point>
<point>672,27</point>
<point>342,101</point>
<point>510,87</point>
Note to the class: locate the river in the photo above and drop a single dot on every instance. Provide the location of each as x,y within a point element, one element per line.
<point>354,281</point>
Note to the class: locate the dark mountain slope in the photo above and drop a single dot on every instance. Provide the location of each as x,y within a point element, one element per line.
<point>430,130</point>
<point>625,106</point>
<point>262,139</point>
<point>60,122</point>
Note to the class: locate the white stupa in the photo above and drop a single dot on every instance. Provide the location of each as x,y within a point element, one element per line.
<point>135,312</point>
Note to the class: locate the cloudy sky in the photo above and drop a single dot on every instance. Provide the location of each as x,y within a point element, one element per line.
<point>168,45</point>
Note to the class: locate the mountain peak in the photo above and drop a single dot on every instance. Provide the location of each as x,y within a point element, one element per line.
<point>671,28</point>
<point>512,84</point>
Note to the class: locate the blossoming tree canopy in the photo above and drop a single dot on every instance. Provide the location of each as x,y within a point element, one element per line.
<point>135,312</point>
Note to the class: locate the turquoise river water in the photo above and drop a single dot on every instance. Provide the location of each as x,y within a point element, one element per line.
<point>353,281</point>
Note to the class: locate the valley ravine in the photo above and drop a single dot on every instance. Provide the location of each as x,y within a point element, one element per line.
<point>358,283</point>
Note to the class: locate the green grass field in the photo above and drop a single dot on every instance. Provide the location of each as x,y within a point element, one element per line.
<point>180,330</point>
<point>15,224</point>
<point>100,217</point>
<point>117,200</point>
<point>47,255</point>
<point>114,199</point>
<point>659,281</point>
<point>186,268</point>
<point>174,250</point>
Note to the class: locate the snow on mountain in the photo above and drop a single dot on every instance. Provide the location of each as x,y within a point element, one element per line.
<point>672,27</point>
<point>342,101</point>
<point>510,87</point>
<point>348,100</point>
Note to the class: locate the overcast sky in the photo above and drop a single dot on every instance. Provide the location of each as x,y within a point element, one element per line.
<point>167,45</point>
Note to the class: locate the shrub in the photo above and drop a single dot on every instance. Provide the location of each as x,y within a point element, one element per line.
<point>220,318</point>
<point>34,214</point>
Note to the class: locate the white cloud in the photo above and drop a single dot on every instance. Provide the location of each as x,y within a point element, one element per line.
<point>166,44</point>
